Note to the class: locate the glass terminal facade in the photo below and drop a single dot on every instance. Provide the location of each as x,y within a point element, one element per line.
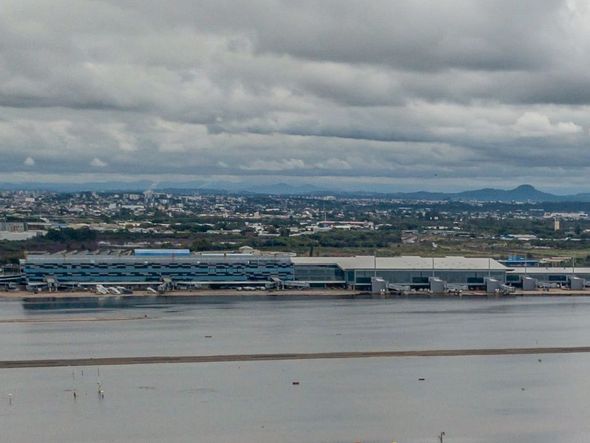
<point>140,269</point>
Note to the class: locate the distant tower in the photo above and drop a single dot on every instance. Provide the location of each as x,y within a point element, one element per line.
<point>556,224</point>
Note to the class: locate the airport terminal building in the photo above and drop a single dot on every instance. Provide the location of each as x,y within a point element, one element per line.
<point>531,278</point>
<point>153,267</point>
<point>183,268</point>
<point>413,272</point>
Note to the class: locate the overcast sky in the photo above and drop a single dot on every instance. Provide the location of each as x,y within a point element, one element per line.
<point>417,94</point>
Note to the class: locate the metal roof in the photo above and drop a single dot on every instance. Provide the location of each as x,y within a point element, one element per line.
<point>161,252</point>
<point>194,258</point>
<point>404,262</point>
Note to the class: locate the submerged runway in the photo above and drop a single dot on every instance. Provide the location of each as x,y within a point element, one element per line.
<point>147,360</point>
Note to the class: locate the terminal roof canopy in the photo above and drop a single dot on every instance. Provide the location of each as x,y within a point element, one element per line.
<point>161,252</point>
<point>404,262</point>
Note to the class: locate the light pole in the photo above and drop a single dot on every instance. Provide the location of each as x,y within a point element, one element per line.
<point>573,264</point>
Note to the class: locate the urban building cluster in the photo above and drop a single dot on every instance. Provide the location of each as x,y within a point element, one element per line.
<point>54,240</point>
<point>170,269</point>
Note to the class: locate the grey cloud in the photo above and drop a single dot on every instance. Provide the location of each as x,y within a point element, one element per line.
<point>461,90</point>
<point>412,34</point>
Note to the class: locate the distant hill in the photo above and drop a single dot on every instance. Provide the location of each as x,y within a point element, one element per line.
<point>520,193</point>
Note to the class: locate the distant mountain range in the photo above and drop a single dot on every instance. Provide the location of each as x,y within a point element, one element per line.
<point>522,193</point>
<point>144,185</point>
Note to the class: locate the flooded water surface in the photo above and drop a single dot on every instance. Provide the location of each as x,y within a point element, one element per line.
<point>521,398</point>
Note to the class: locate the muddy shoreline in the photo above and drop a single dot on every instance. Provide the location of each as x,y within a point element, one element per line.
<point>120,361</point>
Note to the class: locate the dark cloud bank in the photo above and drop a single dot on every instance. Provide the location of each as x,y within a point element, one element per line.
<point>412,94</point>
